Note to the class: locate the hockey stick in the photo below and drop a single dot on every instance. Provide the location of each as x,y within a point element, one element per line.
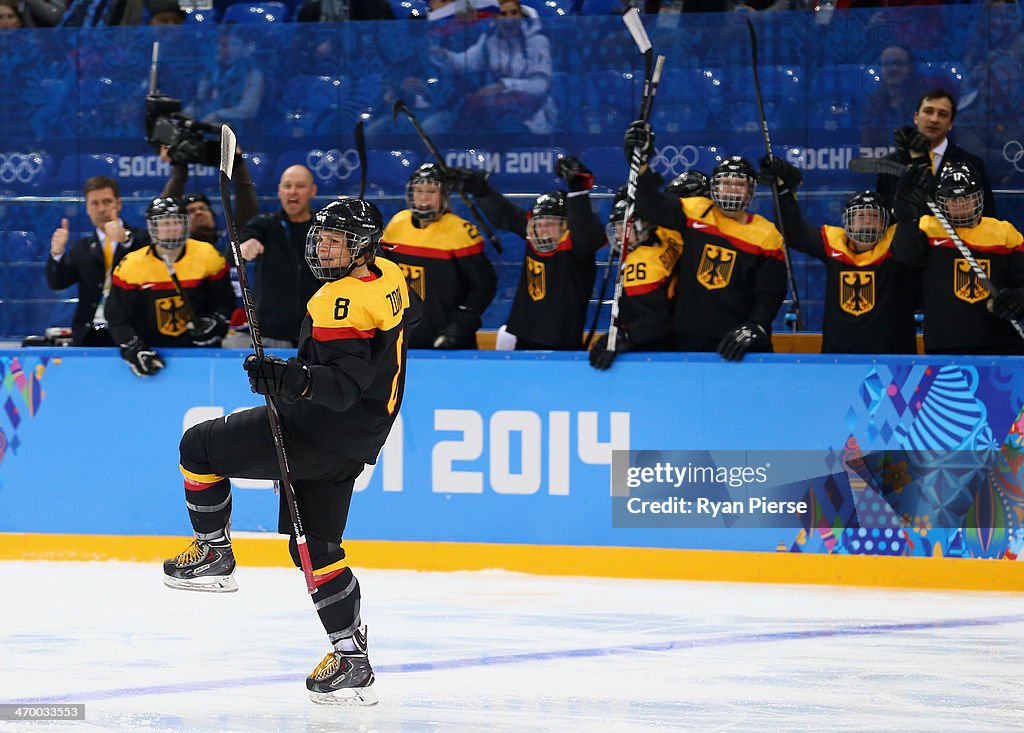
<point>651,78</point>
<point>361,152</point>
<point>795,315</point>
<point>966,253</point>
<point>227,161</point>
<point>877,165</point>
<point>481,222</point>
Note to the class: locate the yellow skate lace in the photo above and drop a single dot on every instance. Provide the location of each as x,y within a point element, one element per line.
<point>193,553</point>
<point>326,668</point>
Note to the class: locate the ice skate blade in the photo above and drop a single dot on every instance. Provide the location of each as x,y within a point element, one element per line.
<point>217,584</point>
<point>364,696</point>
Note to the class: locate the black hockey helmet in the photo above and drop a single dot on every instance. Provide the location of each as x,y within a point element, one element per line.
<point>689,184</point>
<point>547,224</point>
<point>167,222</point>
<point>733,168</point>
<point>865,217</point>
<point>191,198</point>
<point>430,175</point>
<point>616,219</point>
<point>344,235</point>
<point>960,195</point>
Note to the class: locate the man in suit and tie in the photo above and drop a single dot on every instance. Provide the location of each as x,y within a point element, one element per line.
<point>90,260</point>
<point>929,136</point>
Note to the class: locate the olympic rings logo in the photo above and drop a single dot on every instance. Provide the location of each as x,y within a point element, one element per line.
<point>1013,152</point>
<point>671,160</point>
<point>20,167</point>
<point>328,164</point>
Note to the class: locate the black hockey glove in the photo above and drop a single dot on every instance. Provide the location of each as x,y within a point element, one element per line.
<point>460,331</point>
<point>1008,304</point>
<point>144,361</point>
<point>275,377</point>
<point>908,139</point>
<point>600,357</point>
<point>745,337</point>
<point>469,180</point>
<point>775,169</point>
<point>210,330</point>
<point>640,136</point>
<point>577,175</point>
<point>913,191</point>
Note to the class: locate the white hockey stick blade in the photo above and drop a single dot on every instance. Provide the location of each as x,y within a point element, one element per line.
<point>636,29</point>
<point>227,150</point>
<point>658,64</point>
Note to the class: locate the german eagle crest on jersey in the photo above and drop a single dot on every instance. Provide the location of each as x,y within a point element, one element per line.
<point>716,265</point>
<point>535,280</point>
<point>856,291</point>
<point>966,285</point>
<point>170,316</point>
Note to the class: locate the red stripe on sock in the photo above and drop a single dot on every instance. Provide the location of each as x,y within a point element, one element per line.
<point>319,580</point>
<point>198,485</point>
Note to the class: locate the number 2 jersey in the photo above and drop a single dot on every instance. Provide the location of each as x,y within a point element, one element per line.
<point>444,262</point>
<point>355,339</point>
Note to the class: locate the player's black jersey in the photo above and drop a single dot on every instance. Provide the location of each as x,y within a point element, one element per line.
<point>355,339</point>
<point>143,300</point>
<point>955,302</point>
<point>648,289</point>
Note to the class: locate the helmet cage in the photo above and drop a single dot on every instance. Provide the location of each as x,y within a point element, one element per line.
<point>539,232</point>
<point>334,249</point>
<point>865,230</point>
<point>430,178</point>
<point>158,226</point>
<point>728,200</point>
<point>967,205</point>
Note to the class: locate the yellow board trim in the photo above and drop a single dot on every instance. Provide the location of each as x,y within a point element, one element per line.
<point>614,562</point>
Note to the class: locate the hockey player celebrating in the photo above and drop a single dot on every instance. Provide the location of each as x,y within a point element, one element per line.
<point>648,285</point>
<point>870,297</point>
<point>337,401</point>
<point>442,258</point>
<point>960,314</point>
<point>562,234</point>
<point>147,308</point>
<point>732,276</point>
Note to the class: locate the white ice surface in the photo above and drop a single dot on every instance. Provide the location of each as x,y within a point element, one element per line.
<point>498,651</point>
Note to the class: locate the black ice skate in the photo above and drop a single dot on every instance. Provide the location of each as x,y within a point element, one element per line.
<point>204,567</point>
<point>344,678</point>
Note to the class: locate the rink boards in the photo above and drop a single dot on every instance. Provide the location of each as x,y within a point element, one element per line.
<point>503,460</point>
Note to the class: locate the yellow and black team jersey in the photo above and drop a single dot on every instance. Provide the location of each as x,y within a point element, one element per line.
<point>648,289</point>
<point>143,300</point>
<point>354,339</point>
<point>870,298</point>
<point>444,262</point>
<point>730,272</point>
<point>955,309</point>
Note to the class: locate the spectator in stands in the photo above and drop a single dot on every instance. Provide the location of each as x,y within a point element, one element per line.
<point>929,136</point>
<point>165,12</point>
<point>277,242</point>
<point>90,260</point>
<point>10,15</point>
<point>442,258</point>
<point>732,273</point>
<point>895,100</point>
<point>336,11</point>
<point>233,88</point>
<point>515,60</point>
<point>562,234</point>
<point>870,297</point>
<point>176,292</point>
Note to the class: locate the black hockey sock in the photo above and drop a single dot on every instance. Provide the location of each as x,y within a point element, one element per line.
<point>337,604</point>
<point>209,508</point>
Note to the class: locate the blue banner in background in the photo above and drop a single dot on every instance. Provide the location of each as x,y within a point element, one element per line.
<point>517,448</point>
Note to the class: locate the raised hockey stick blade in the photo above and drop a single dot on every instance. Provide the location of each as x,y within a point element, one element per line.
<point>966,253</point>
<point>227,157</point>
<point>876,166</point>
<point>400,107</point>
<point>361,152</point>
<point>795,314</point>
<point>650,89</point>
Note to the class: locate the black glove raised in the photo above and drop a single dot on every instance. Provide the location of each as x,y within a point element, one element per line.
<point>639,136</point>
<point>275,377</point>
<point>745,337</point>
<point>775,169</point>
<point>600,357</point>
<point>1008,304</point>
<point>577,175</point>
<point>460,331</point>
<point>210,330</point>
<point>908,139</point>
<point>144,361</point>
<point>914,190</point>
<point>469,180</point>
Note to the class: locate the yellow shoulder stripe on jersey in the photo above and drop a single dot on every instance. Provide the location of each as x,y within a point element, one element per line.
<point>838,245</point>
<point>991,235</point>
<point>351,308</point>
